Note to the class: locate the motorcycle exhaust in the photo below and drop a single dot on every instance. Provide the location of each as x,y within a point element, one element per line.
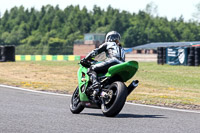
<point>132,86</point>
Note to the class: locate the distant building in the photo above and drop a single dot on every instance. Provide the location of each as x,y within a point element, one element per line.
<point>90,42</point>
<point>93,38</point>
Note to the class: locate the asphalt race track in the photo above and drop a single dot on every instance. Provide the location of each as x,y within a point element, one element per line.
<point>23,111</point>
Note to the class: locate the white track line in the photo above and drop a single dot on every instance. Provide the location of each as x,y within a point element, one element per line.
<point>142,105</point>
<point>164,108</point>
<point>42,92</point>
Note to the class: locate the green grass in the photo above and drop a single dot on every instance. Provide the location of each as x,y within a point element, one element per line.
<point>169,76</point>
<point>167,85</point>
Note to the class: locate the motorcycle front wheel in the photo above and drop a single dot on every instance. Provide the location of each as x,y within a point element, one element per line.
<point>112,105</point>
<point>75,105</point>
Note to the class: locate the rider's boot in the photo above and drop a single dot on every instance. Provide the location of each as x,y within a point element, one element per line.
<point>95,83</point>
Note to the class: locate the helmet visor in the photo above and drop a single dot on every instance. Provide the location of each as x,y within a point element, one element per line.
<point>113,38</point>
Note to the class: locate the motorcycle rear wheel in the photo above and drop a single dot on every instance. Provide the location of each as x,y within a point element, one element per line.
<point>75,105</point>
<point>111,107</point>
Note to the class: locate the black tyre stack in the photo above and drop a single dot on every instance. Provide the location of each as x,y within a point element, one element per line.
<point>7,53</point>
<point>191,56</point>
<point>161,57</point>
<point>164,55</point>
<point>197,56</point>
<point>2,56</point>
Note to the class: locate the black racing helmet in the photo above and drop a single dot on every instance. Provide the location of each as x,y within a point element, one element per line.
<point>112,36</point>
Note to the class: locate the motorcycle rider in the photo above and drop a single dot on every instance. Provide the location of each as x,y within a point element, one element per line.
<point>115,55</point>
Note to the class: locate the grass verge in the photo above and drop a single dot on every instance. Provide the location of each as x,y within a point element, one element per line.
<point>175,86</point>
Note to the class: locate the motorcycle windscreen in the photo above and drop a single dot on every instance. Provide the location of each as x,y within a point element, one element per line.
<point>125,70</point>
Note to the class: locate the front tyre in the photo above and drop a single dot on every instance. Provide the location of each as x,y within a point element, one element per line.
<point>112,105</point>
<point>75,105</point>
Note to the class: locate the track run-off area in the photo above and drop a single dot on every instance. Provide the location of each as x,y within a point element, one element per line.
<point>23,110</point>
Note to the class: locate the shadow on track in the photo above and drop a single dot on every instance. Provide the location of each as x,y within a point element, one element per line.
<point>139,116</point>
<point>127,115</point>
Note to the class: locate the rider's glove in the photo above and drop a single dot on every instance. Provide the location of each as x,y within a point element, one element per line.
<point>85,63</point>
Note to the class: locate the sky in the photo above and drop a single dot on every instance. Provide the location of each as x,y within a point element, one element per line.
<point>165,8</point>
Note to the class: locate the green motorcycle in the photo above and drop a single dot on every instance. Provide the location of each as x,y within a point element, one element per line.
<point>113,92</point>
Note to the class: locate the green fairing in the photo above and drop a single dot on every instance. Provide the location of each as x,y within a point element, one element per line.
<point>125,70</point>
<point>83,96</point>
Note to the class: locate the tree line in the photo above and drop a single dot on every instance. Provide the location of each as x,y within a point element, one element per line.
<point>52,30</point>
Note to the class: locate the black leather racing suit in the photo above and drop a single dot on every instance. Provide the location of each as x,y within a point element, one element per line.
<point>115,55</point>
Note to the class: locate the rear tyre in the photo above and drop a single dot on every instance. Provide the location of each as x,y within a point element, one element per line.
<point>112,106</point>
<point>75,105</point>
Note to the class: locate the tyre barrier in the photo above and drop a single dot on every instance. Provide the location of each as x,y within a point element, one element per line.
<point>191,51</point>
<point>192,55</point>
<point>1,54</point>
<point>191,60</point>
<point>161,57</point>
<point>7,53</point>
<point>164,55</point>
<point>197,56</point>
